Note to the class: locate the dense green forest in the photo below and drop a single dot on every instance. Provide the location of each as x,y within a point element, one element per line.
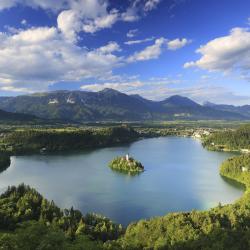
<point>29,221</point>
<point>237,168</point>
<point>35,140</point>
<point>229,140</point>
<point>129,165</point>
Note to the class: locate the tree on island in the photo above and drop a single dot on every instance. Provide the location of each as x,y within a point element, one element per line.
<point>126,164</point>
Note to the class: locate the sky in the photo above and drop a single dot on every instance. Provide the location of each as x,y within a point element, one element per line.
<point>155,48</point>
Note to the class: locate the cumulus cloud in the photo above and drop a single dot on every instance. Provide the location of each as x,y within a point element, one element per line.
<point>150,52</point>
<point>155,50</point>
<point>109,48</point>
<point>69,23</point>
<point>225,54</point>
<point>102,22</point>
<point>177,43</point>
<point>37,57</point>
<point>88,16</point>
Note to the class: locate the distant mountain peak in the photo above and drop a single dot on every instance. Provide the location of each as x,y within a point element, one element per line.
<point>209,104</point>
<point>138,97</point>
<point>179,100</point>
<point>109,90</point>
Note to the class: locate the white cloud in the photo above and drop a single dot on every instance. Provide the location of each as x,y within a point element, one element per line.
<point>132,42</point>
<point>38,57</point>
<point>151,4</point>
<point>177,43</point>
<point>5,4</point>
<point>92,16</point>
<point>130,15</point>
<point>24,22</point>
<point>109,48</point>
<point>132,33</point>
<point>225,54</point>
<point>102,22</point>
<point>150,52</point>
<point>69,23</point>
<point>45,4</point>
<point>155,50</point>
<point>85,15</point>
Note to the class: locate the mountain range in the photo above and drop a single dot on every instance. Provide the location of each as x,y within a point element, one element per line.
<point>243,110</point>
<point>112,105</point>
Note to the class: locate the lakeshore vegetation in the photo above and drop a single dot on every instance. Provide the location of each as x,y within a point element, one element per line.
<point>229,140</point>
<point>23,141</point>
<point>29,221</point>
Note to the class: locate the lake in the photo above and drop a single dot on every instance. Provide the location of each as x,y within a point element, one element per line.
<point>180,175</point>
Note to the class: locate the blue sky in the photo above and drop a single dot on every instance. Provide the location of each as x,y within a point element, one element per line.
<point>155,48</point>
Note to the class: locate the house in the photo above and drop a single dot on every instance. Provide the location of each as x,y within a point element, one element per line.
<point>244,150</point>
<point>244,169</point>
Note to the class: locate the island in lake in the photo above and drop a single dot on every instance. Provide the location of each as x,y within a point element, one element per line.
<point>126,164</point>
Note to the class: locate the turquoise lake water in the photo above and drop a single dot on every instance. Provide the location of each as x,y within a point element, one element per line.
<point>180,175</point>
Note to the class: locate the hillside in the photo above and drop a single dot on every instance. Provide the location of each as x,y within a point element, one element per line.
<point>111,105</point>
<point>229,140</point>
<point>9,117</point>
<point>243,110</point>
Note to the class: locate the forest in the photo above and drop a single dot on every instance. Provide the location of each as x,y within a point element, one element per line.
<point>22,141</point>
<point>229,139</point>
<point>29,221</point>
